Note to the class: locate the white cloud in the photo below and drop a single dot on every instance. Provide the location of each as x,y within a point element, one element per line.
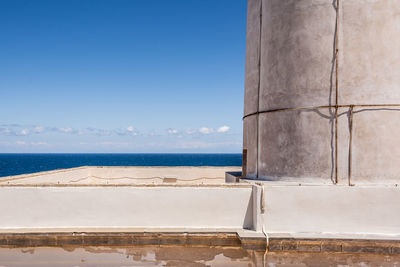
<point>38,129</point>
<point>19,130</point>
<point>223,129</point>
<point>14,132</point>
<point>172,131</point>
<point>5,131</point>
<point>205,130</point>
<point>130,130</point>
<point>99,132</point>
<point>65,130</point>
<point>24,132</point>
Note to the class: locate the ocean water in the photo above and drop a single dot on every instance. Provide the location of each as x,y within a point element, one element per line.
<point>14,164</point>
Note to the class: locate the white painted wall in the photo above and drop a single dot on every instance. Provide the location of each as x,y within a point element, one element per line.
<point>338,211</point>
<point>307,211</point>
<point>125,207</point>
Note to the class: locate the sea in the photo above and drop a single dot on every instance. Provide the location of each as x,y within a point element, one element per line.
<point>15,164</point>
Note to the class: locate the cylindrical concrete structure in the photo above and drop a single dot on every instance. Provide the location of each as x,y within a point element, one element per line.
<point>322,91</point>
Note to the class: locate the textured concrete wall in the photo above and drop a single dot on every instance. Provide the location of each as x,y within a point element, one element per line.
<point>252,83</point>
<point>291,73</point>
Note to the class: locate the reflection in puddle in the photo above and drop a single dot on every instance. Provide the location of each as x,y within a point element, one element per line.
<point>181,256</point>
<point>128,256</point>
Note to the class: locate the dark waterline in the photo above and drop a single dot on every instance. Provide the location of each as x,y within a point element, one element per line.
<point>14,164</point>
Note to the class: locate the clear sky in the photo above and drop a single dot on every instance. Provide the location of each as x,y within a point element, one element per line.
<point>122,75</point>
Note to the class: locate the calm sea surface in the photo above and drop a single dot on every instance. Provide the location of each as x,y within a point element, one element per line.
<point>14,164</point>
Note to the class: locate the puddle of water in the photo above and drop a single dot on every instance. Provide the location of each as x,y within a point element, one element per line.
<point>182,256</point>
<point>127,256</point>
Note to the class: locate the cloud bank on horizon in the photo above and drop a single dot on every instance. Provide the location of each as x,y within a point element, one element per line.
<point>25,130</point>
<point>34,138</point>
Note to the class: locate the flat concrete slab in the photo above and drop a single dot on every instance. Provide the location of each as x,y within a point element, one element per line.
<point>123,175</point>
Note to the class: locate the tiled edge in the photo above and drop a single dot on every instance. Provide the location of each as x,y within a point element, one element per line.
<point>118,239</point>
<point>248,242</point>
<point>334,245</point>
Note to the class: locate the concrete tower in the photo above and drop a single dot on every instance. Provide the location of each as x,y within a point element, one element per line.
<point>322,91</point>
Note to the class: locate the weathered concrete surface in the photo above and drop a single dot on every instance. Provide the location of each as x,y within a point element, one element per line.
<point>252,85</point>
<point>297,51</point>
<point>123,175</point>
<point>369,52</point>
<point>376,146</point>
<point>291,145</point>
<point>250,147</point>
<point>252,78</point>
<point>298,71</point>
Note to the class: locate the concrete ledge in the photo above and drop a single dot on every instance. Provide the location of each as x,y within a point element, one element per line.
<point>334,245</point>
<point>123,175</point>
<point>118,239</point>
<point>252,240</point>
<point>232,177</point>
<point>248,241</point>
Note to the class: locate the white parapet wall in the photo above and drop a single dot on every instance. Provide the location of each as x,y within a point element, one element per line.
<point>68,201</point>
<point>33,208</point>
<point>332,211</point>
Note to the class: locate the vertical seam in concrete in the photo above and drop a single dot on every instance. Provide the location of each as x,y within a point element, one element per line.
<point>258,92</point>
<point>258,207</point>
<point>350,142</point>
<point>336,88</point>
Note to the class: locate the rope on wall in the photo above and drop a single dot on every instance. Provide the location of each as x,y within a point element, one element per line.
<point>350,142</point>
<point>123,178</point>
<point>258,90</point>
<point>336,107</point>
<point>323,107</point>
<point>336,88</point>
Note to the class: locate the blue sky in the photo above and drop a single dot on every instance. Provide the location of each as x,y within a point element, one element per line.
<point>121,76</point>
